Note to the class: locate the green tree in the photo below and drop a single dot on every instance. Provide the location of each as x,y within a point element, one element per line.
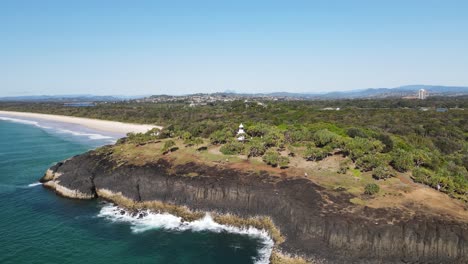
<point>274,139</point>
<point>195,141</point>
<point>315,154</point>
<point>369,162</point>
<point>402,160</point>
<point>422,175</point>
<point>421,157</point>
<point>324,137</point>
<point>358,147</point>
<point>255,147</point>
<point>258,130</point>
<point>220,136</point>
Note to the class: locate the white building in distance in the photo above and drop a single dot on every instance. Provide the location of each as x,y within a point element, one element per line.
<point>422,94</point>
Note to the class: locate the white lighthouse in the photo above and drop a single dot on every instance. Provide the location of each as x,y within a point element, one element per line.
<point>241,133</point>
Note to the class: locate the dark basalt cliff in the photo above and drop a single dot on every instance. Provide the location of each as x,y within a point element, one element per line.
<point>315,223</point>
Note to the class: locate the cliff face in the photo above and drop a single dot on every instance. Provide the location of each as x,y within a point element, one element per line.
<point>314,222</point>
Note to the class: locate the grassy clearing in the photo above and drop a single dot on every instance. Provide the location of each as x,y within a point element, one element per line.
<point>358,201</point>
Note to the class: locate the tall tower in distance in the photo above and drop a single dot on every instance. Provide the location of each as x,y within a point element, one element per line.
<point>422,94</point>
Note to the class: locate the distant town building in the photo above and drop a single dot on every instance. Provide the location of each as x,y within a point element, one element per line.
<point>330,108</point>
<point>441,110</point>
<point>422,94</point>
<point>241,133</point>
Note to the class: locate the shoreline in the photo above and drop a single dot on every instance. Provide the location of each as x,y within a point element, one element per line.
<point>261,226</point>
<point>314,223</point>
<point>95,124</point>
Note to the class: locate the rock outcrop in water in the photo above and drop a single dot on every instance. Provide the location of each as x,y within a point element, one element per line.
<point>316,223</point>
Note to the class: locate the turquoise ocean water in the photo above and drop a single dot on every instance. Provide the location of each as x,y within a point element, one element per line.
<point>37,226</point>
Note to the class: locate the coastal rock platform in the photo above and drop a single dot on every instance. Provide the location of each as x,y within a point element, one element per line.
<point>316,223</point>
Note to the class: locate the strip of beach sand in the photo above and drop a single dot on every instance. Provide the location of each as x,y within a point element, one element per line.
<point>96,124</point>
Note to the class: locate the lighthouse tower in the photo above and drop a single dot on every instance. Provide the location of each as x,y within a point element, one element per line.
<point>241,133</point>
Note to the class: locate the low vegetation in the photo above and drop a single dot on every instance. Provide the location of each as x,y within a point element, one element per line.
<point>371,189</point>
<point>385,138</point>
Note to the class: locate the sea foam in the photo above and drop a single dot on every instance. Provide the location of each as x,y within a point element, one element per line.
<point>89,135</point>
<point>92,136</point>
<point>34,184</point>
<point>145,220</point>
<point>22,121</point>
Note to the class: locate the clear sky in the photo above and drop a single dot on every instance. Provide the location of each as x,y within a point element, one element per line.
<point>178,47</point>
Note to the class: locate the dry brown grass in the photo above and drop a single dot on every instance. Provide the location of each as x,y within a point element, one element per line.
<point>278,258</point>
<point>156,206</point>
<point>259,222</point>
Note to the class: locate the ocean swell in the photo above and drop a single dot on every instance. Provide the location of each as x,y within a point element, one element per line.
<point>57,129</point>
<point>22,121</point>
<point>145,220</point>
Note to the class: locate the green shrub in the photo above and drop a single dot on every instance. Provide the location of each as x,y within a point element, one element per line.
<point>369,162</point>
<point>356,132</point>
<point>324,137</point>
<point>255,147</point>
<point>283,162</point>
<point>344,167</point>
<point>358,147</point>
<point>422,175</point>
<point>221,136</point>
<point>382,172</point>
<point>232,147</point>
<point>314,153</point>
<point>371,189</point>
<point>271,157</point>
<point>402,160</point>
<point>168,144</point>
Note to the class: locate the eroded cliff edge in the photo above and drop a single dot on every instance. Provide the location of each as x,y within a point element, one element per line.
<point>316,223</point>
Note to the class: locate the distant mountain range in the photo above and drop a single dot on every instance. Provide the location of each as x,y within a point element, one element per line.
<point>398,92</point>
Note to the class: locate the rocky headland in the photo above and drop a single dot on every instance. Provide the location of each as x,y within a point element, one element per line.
<point>313,222</point>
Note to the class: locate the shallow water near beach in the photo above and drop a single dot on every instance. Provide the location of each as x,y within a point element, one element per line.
<point>37,226</point>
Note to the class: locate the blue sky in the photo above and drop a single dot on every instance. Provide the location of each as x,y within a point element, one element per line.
<point>179,47</point>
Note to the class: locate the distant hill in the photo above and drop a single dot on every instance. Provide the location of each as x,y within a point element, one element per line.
<point>401,91</point>
<point>398,92</point>
<point>371,93</point>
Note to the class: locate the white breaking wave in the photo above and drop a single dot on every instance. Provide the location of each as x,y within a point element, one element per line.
<point>146,220</point>
<point>34,184</point>
<point>27,122</point>
<point>91,136</point>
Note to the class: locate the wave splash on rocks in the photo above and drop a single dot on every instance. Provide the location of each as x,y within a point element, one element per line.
<point>145,220</point>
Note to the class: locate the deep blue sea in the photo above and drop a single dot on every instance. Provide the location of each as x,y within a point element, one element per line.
<point>37,226</point>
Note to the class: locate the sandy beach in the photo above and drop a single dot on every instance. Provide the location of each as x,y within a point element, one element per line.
<point>96,124</point>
